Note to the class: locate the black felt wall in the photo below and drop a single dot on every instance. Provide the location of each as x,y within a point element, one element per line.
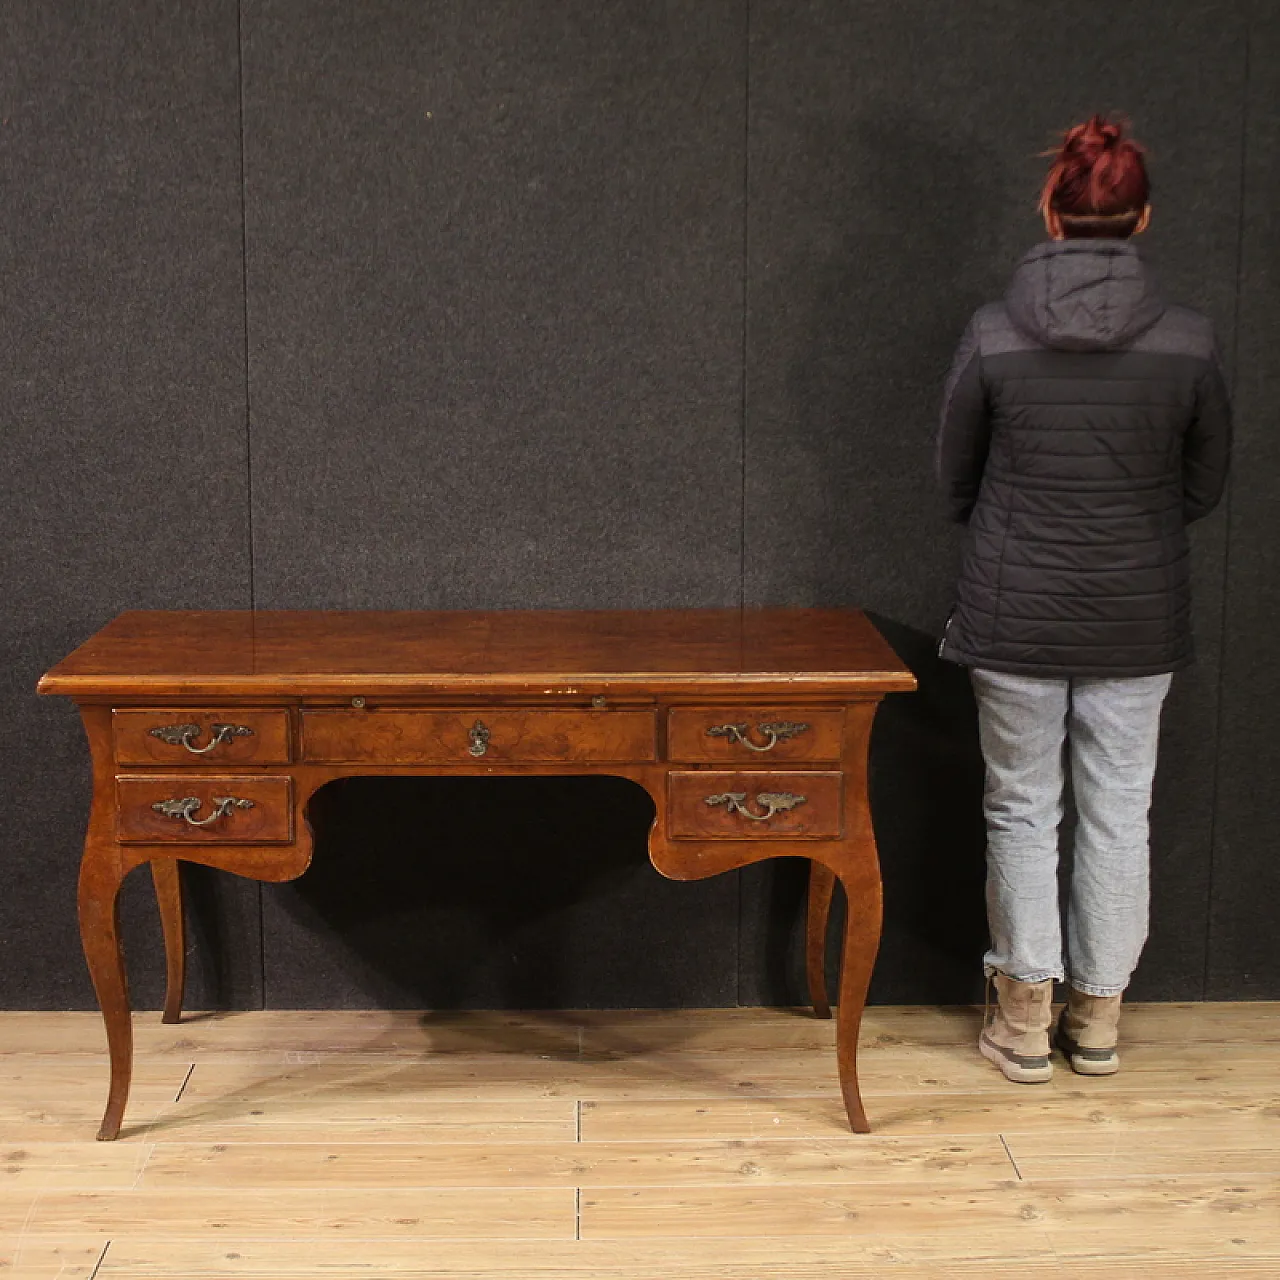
<point>1244,950</point>
<point>584,304</point>
<point>495,321</point>
<point>893,166</point>
<point>123,448</point>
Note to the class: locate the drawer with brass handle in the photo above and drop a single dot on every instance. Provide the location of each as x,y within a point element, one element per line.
<point>500,735</point>
<point>718,735</point>
<point>794,805</point>
<point>183,809</point>
<point>186,738</point>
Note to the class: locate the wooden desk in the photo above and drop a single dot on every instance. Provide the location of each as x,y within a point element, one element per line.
<point>210,732</point>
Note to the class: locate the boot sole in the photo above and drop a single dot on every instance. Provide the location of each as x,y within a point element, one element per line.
<point>1012,1070</point>
<point>1081,1065</point>
<point>1084,1067</point>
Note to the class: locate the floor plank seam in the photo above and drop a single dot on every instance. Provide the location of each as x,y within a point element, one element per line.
<point>185,1081</point>
<point>97,1266</point>
<point>1009,1153</point>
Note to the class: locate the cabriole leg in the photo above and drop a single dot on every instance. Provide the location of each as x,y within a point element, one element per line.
<point>100,877</point>
<point>167,875</point>
<point>822,883</point>
<point>861,942</point>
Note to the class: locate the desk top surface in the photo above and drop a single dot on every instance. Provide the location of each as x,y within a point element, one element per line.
<point>554,652</point>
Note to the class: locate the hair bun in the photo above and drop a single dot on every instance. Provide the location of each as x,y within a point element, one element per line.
<point>1089,140</point>
<point>1097,170</point>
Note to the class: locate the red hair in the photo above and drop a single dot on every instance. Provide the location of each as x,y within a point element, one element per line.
<point>1097,173</point>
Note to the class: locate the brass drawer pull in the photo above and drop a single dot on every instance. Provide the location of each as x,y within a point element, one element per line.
<point>773,801</point>
<point>777,731</point>
<point>184,808</point>
<point>181,735</point>
<point>479,736</point>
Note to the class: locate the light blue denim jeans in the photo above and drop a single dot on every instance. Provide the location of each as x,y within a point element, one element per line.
<point>1109,729</point>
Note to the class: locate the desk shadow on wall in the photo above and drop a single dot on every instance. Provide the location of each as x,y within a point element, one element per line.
<point>926,801</point>
<point>498,893</point>
<point>926,804</point>
<point>906,226</point>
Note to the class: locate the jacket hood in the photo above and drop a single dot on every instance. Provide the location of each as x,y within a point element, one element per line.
<point>1083,295</point>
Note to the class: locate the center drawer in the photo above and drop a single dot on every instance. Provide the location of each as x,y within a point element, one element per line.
<point>474,737</point>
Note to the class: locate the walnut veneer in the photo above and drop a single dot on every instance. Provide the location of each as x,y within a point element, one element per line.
<point>210,732</point>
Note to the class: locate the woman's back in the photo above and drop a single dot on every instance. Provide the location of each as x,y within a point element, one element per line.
<point>1085,423</point>
<point>1097,399</point>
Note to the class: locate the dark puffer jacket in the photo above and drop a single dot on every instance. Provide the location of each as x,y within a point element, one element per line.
<point>1085,424</point>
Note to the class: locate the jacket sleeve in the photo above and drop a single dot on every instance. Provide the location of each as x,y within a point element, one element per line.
<point>1206,446</point>
<point>964,434</point>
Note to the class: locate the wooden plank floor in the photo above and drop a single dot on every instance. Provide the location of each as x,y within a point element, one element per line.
<point>703,1145</point>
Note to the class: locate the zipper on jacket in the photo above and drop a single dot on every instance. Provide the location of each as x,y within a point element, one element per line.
<point>946,628</point>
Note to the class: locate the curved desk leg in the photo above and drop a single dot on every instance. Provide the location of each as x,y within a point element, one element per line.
<point>859,874</point>
<point>101,874</point>
<point>850,858</point>
<point>105,864</point>
<point>861,942</point>
<point>167,875</point>
<point>822,883</point>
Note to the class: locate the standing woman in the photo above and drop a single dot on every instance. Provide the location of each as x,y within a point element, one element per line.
<point>1086,423</point>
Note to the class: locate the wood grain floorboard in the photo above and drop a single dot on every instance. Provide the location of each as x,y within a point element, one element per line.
<point>1247,1149</point>
<point>818,1161</point>
<point>1195,1208</point>
<point>919,1257</point>
<point>636,1146</point>
<point>40,1256</point>
<point>421,1213</point>
<point>1058,1105</point>
<point>290,1032</point>
<point>408,1092</point>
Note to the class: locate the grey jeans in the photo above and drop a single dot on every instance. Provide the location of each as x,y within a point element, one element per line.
<point>1109,729</point>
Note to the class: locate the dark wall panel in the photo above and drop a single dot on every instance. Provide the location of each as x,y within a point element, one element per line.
<point>498,258</point>
<point>495,304</point>
<point>892,177</point>
<point>123,438</point>
<point>1244,954</point>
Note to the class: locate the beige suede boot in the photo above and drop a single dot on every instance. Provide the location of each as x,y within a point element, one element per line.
<point>1017,1039</point>
<point>1088,1032</point>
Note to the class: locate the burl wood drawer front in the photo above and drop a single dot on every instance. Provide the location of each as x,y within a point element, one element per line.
<point>742,735</point>
<point>473,737</point>
<point>181,809</point>
<point>755,806</point>
<point>184,738</point>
